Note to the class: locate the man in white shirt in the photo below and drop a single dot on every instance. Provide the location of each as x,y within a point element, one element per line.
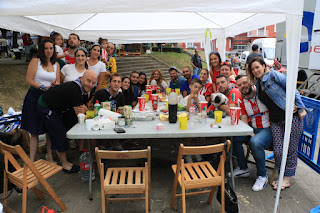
<point>253,110</point>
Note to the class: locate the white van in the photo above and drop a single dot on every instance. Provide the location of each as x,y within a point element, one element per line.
<point>268,47</point>
<point>243,59</point>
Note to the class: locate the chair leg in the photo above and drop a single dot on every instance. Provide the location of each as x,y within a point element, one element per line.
<point>213,189</point>
<point>24,199</point>
<point>5,189</point>
<point>103,202</point>
<point>173,194</point>
<point>183,199</point>
<point>54,196</point>
<point>147,201</point>
<point>222,198</point>
<point>107,205</point>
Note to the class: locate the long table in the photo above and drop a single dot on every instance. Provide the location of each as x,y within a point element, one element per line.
<point>147,129</point>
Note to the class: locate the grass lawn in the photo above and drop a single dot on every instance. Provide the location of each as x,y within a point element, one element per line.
<point>178,60</point>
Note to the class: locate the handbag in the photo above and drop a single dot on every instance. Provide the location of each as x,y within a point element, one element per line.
<point>230,197</point>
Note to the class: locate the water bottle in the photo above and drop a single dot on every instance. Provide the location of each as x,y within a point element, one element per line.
<point>193,114</point>
<point>96,108</point>
<point>173,106</point>
<point>84,166</point>
<point>154,86</point>
<point>203,118</point>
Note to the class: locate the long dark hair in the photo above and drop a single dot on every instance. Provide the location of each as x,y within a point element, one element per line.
<point>142,86</point>
<point>85,52</point>
<point>128,94</point>
<point>250,75</point>
<point>217,54</point>
<point>42,55</point>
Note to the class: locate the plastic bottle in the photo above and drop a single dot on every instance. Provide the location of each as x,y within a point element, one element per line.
<point>128,115</point>
<point>84,166</point>
<point>173,106</point>
<point>96,108</point>
<point>203,118</point>
<point>154,86</point>
<point>193,114</point>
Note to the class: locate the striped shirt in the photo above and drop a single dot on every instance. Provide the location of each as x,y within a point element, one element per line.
<point>104,54</point>
<point>256,111</point>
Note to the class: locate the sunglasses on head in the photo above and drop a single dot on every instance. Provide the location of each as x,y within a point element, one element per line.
<point>225,63</point>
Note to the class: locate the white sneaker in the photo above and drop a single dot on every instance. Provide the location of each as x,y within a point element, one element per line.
<point>241,173</point>
<point>188,159</point>
<point>260,183</point>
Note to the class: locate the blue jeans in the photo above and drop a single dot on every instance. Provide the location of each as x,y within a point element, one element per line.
<point>258,143</point>
<point>196,71</point>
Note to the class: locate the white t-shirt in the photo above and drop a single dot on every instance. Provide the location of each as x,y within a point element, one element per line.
<point>200,98</point>
<point>98,68</point>
<point>70,72</point>
<point>59,51</point>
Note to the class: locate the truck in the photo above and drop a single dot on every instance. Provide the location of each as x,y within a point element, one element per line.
<point>309,61</point>
<point>267,48</point>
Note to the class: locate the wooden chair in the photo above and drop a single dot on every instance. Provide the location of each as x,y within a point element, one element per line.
<point>125,180</point>
<point>200,174</point>
<point>28,176</point>
<point>274,169</point>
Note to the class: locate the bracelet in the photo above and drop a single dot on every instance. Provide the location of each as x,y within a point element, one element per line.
<point>42,87</point>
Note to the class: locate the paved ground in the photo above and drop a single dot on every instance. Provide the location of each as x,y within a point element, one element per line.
<point>303,195</point>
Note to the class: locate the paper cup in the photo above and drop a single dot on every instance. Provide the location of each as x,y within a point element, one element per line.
<point>183,122</point>
<point>81,118</point>
<point>154,101</point>
<point>217,116</point>
<point>203,104</point>
<point>177,90</point>
<point>235,115</point>
<point>159,126</point>
<point>168,90</point>
<point>147,98</point>
<point>142,103</point>
<point>148,86</point>
<point>89,123</point>
<point>149,92</point>
<point>154,87</point>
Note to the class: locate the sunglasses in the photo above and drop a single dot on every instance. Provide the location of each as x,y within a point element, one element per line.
<point>225,63</point>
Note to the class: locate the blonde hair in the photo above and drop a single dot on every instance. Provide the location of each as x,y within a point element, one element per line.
<point>161,78</point>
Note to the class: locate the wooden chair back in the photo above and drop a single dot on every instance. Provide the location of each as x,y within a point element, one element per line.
<point>27,182</point>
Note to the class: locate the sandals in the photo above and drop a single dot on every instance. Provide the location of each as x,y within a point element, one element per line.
<point>74,169</point>
<point>283,187</point>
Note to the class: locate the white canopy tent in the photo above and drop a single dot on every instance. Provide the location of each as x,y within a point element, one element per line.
<point>142,21</point>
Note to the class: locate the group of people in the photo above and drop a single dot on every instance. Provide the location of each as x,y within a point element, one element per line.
<point>65,82</point>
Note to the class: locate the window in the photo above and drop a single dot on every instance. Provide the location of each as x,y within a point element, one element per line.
<point>240,47</point>
<point>189,45</point>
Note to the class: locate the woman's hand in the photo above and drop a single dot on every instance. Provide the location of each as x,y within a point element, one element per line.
<point>302,114</point>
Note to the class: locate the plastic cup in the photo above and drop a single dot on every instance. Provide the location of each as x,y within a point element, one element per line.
<point>81,118</point>
<point>142,103</point>
<point>154,101</point>
<point>203,104</point>
<point>149,92</point>
<point>217,116</point>
<point>90,114</point>
<point>147,98</point>
<point>177,90</point>
<point>89,124</point>
<point>168,90</point>
<point>154,87</point>
<point>167,105</point>
<point>235,115</point>
<point>183,122</point>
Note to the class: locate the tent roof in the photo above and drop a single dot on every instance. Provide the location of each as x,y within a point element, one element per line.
<point>142,20</point>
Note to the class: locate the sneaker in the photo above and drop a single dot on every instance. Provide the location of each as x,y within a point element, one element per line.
<point>188,159</point>
<point>241,173</point>
<point>198,158</point>
<point>260,183</point>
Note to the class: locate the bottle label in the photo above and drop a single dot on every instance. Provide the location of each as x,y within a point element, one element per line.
<point>85,166</point>
<point>192,110</point>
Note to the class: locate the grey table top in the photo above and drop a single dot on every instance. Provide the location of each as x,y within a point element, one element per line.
<point>147,129</point>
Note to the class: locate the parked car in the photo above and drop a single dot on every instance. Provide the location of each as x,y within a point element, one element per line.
<point>243,59</point>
